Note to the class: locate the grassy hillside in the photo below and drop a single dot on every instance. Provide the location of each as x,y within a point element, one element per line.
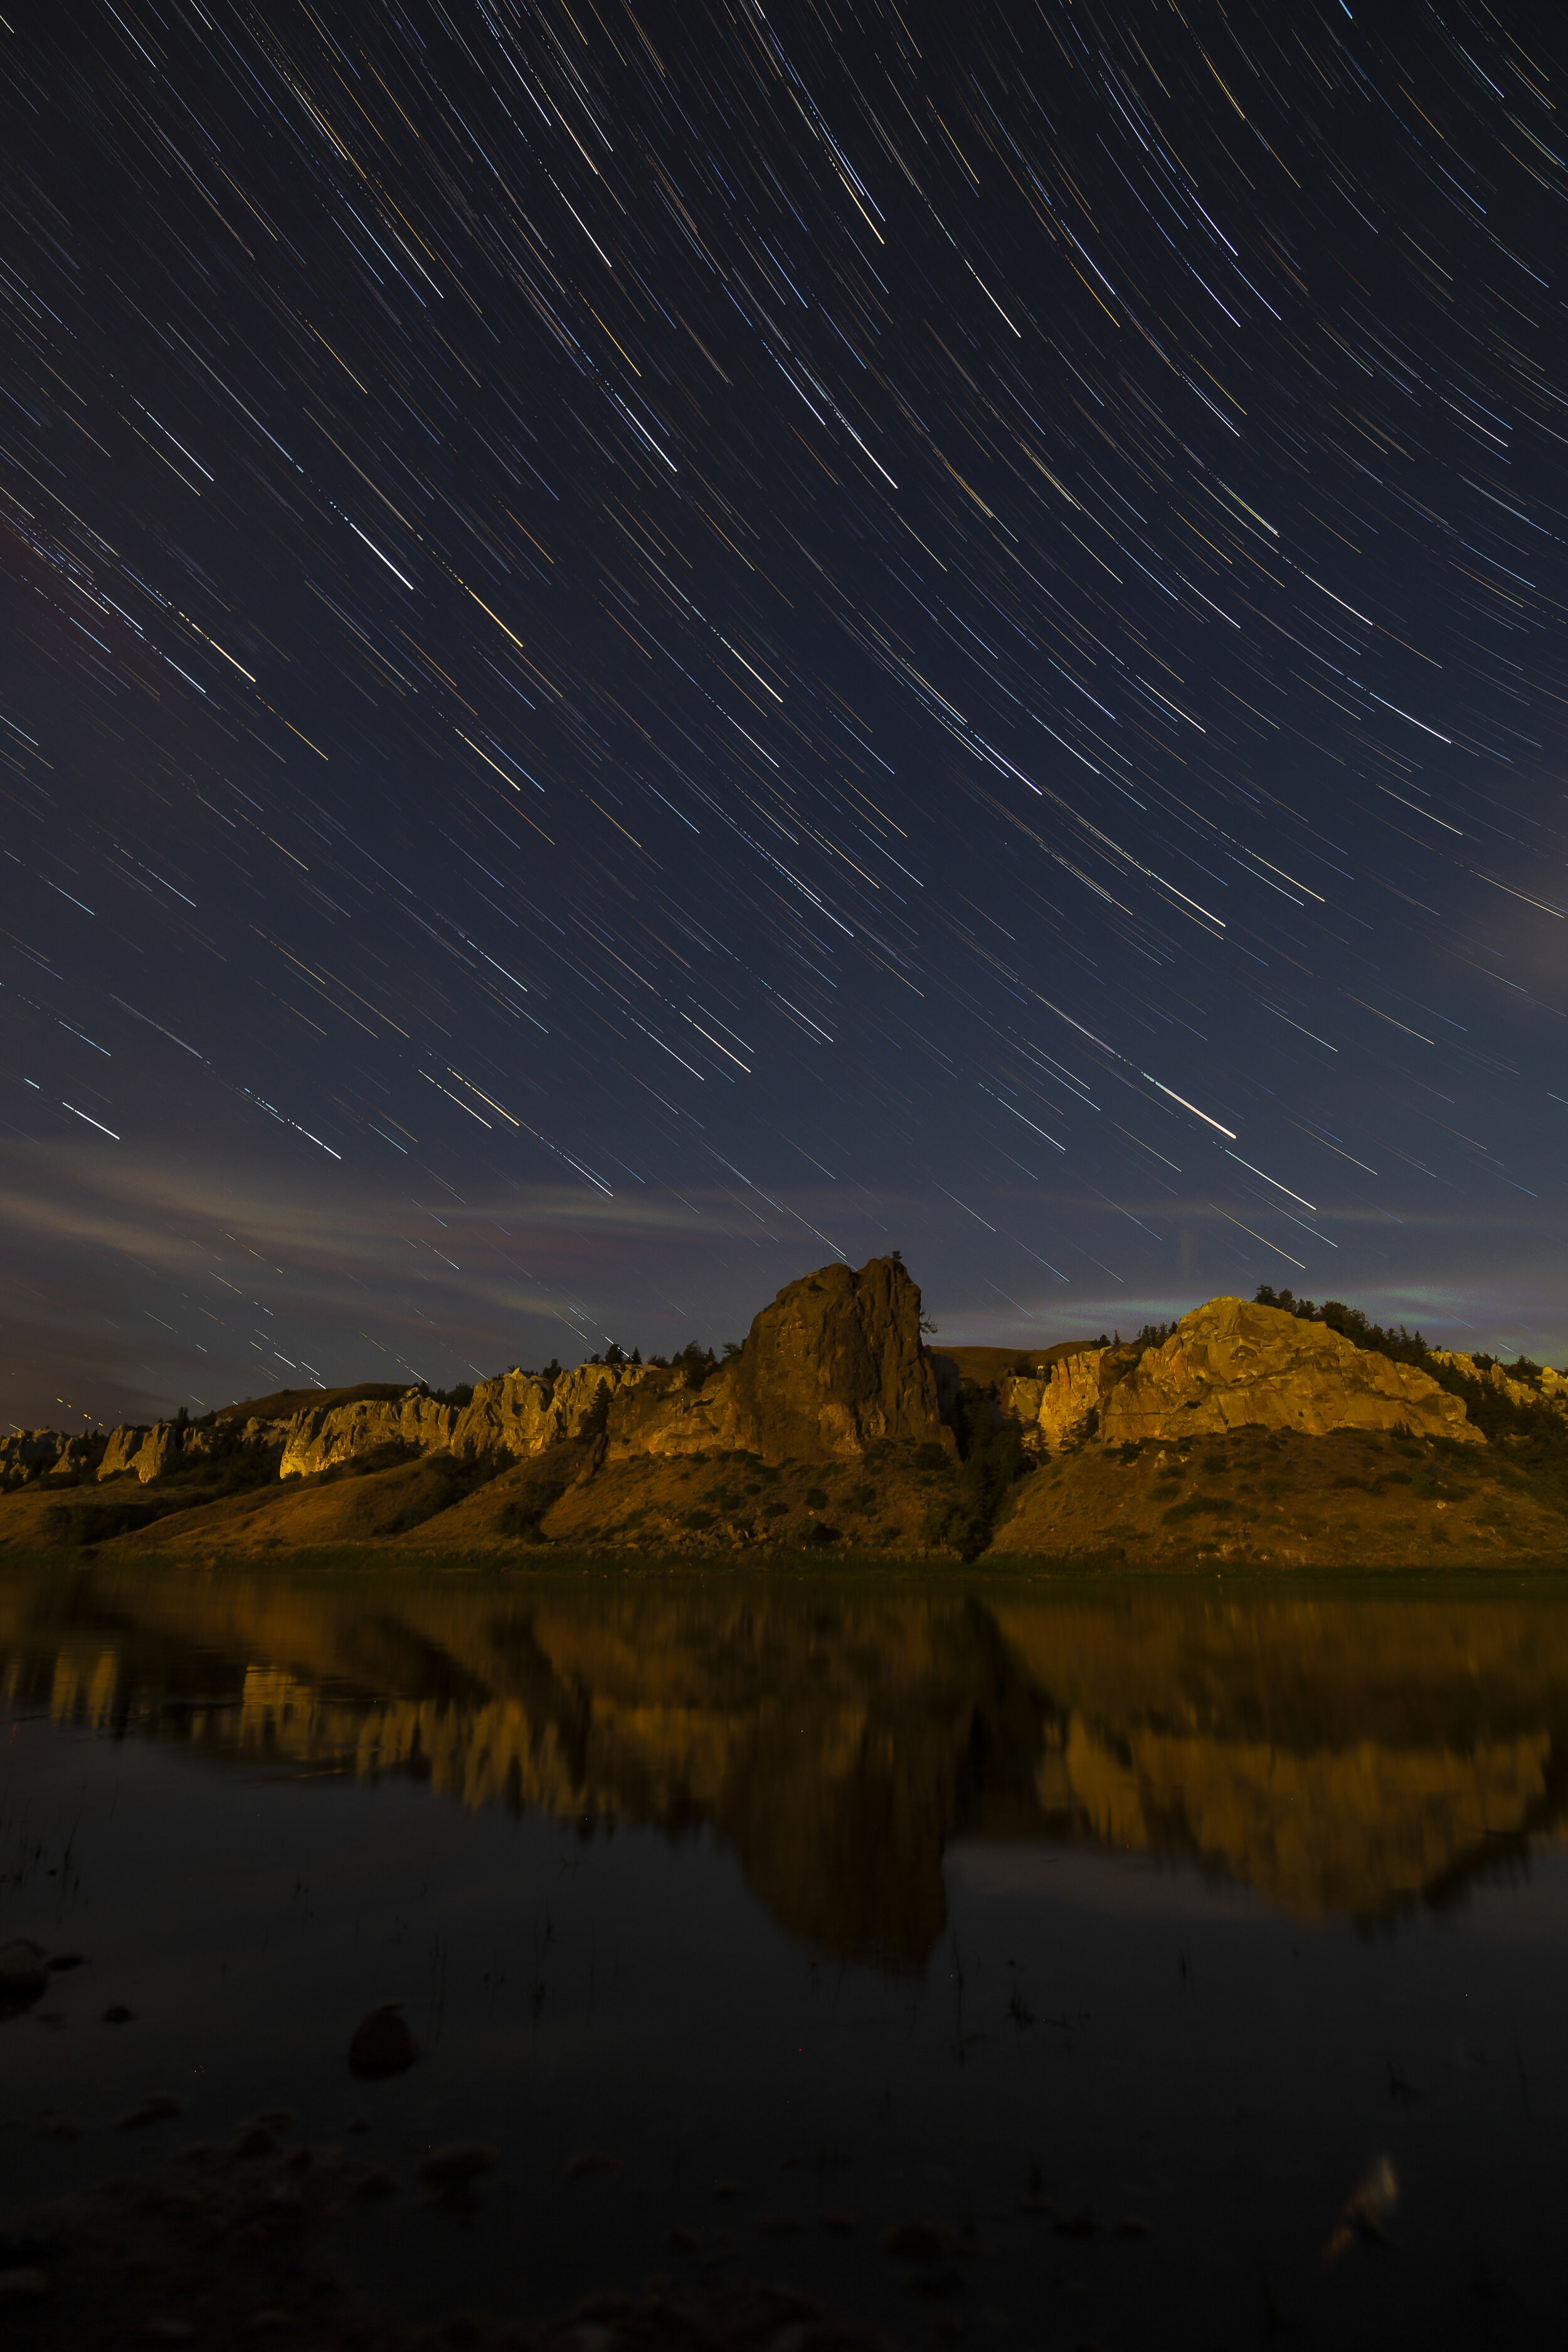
<point>1279,1500</point>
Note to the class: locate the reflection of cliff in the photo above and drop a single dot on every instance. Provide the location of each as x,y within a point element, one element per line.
<point>1339,1756</point>
<point>1340,1831</point>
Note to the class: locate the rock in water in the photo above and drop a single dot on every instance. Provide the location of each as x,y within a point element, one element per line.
<point>23,1973</point>
<point>457,2165</point>
<point>381,2042</point>
<point>159,2109</point>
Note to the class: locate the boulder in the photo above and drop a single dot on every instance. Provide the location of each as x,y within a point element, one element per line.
<point>382,2043</point>
<point>835,1362</point>
<point>24,1974</point>
<point>1230,1364</point>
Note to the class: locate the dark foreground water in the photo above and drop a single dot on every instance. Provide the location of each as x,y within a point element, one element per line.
<point>1120,1935</point>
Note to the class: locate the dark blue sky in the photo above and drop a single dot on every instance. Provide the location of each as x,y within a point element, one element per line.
<point>640,646</point>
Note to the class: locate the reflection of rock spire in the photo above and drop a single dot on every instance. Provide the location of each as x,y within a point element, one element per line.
<point>1339,1756</point>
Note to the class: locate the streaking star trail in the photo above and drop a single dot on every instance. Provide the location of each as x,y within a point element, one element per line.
<point>642,644</point>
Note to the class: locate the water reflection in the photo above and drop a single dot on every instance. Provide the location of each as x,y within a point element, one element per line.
<point>1339,1756</point>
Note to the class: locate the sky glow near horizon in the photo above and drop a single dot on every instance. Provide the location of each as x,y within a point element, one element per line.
<point>645,645</point>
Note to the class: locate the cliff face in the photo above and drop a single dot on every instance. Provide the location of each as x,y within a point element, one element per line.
<point>835,1362</point>
<point>1552,1391</point>
<point>1228,1365</point>
<point>1054,1410</point>
<point>832,1367</point>
<point>322,1436</point>
<point>146,1452</point>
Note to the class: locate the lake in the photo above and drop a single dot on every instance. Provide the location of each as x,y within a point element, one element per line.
<point>1123,1932</point>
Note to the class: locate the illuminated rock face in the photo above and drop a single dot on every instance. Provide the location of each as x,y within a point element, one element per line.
<point>320,1435</point>
<point>119,1455</point>
<point>148,1451</point>
<point>1056,1410</point>
<point>835,1362</point>
<point>1552,1391</point>
<point>1229,1365</point>
<point>76,1454</point>
<point>26,1448</point>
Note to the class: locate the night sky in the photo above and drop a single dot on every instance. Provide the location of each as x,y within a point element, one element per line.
<point>642,646</point>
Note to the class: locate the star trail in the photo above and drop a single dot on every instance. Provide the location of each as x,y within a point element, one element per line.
<point>644,645</point>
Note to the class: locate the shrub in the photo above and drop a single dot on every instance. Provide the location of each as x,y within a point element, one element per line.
<point>521,1520</point>
<point>1199,1507</point>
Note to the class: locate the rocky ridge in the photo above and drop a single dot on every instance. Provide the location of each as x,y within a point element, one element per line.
<point>835,1363</point>
<point>835,1383</point>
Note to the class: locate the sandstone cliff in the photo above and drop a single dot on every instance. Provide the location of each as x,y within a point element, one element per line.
<point>1054,1410</point>
<point>833,1370</point>
<point>835,1363</point>
<point>1228,1365</point>
<point>1552,1389</point>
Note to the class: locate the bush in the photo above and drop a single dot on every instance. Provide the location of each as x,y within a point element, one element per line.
<point>96,1523</point>
<point>521,1520</point>
<point>1199,1507</point>
<point>443,1480</point>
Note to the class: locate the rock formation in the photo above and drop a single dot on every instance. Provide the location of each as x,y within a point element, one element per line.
<point>146,1452</point>
<point>27,1449</point>
<point>76,1455</point>
<point>1552,1391</point>
<point>320,1435</point>
<point>1055,1411</point>
<point>835,1362</point>
<point>1229,1364</point>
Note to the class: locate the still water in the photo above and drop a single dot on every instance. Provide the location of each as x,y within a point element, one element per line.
<point>1122,1934</point>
